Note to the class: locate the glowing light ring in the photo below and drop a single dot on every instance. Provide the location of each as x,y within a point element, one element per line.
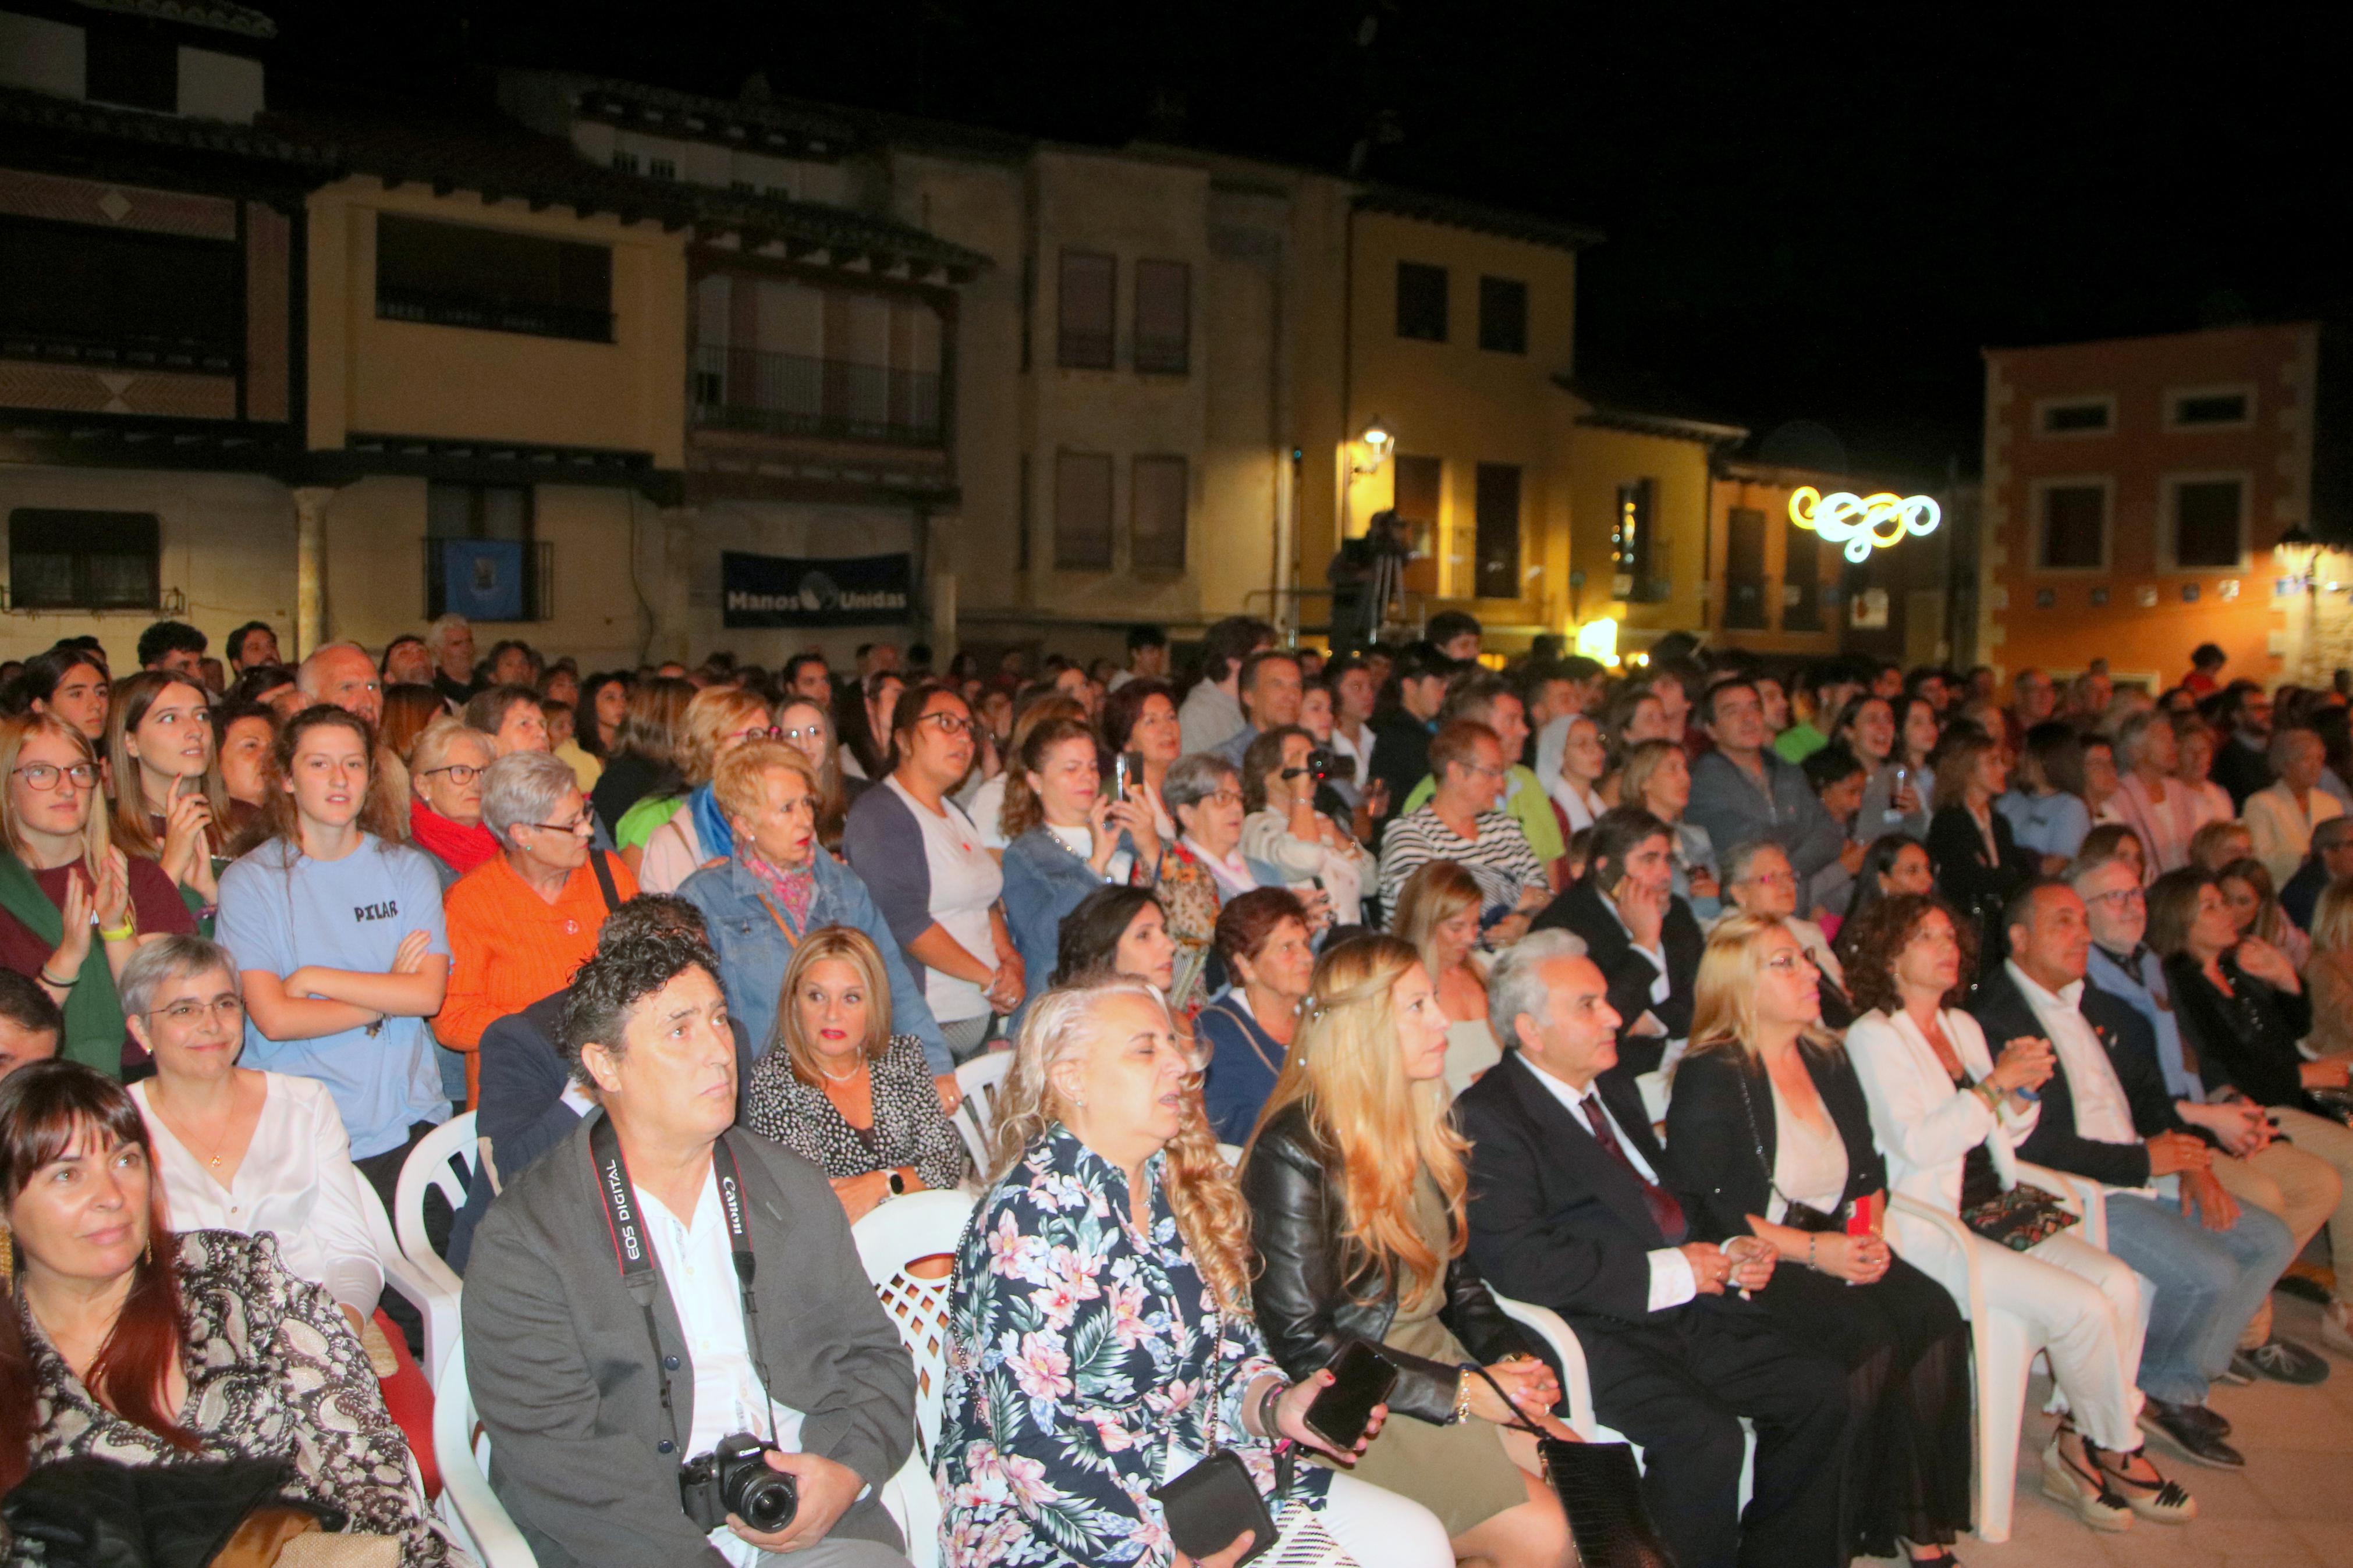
<point>1863,523</point>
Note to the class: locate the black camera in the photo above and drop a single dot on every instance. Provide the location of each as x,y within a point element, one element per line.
<point>1322,764</point>
<point>734,1478</point>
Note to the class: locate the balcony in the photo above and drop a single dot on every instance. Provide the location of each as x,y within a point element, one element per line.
<point>534,319</point>
<point>806,394</point>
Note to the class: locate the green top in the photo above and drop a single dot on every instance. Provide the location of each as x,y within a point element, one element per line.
<point>1799,742</point>
<point>1527,803</point>
<point>638,823</point>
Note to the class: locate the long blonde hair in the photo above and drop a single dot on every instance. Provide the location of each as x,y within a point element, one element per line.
<point>1436,892</point>
<point>1345,1068</point>
<point>1211,1213</point>
<point>1724,998</point>
<point>13,733</point>
<point>856,948</point>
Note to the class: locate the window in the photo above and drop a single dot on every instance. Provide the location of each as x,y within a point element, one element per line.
<point>1421,301</point>
<point>1744,569</point>
<point>111,297</point>
<point>2075,416</point>
<point>1504,315</point>
<point>2209,408</point>
<point>133,66</point>
<point>1163,317</point>
<point>1088,304</point>
<point>743,187</point>
<point>1497,569</point>
<point>662,168</point>
<point>2208,515</point>
<point>480,558</point>
<point>1801,579</point>
<point>2071,526</point>
<point>1633,553</point>
<point>1157,497</point>
<point>1083,511</point>
<point>454,275</point>
<point>84,560</point>
<point>627,163</point>
<point>1416,502</point>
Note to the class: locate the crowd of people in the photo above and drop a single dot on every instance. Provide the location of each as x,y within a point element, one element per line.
<point>1742,1015</point>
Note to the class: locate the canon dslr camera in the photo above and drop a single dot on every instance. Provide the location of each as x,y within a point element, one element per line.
<point>734,1478</point>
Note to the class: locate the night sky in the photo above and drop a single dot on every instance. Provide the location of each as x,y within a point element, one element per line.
<point>1815,215</point>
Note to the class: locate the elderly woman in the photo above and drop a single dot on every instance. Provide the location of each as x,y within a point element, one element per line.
<point>521,922</point>
<point>1438,913</point>
<point>1462,823</point>
<point>1206,868</point>
<point>1104,1155</point>
<point>1355,1182</point>
<point>1284,828</point>
<point>509,715</point>
<point>1068,838</point>
<point>837,1087</point>
<point>2282,816</point>
<point>445,807</point>
<point>922,859</point>
<point>122,1341</point>
<point>1949,1117</point>
<point>695,832</point>
<point>1263,938</point>
<point>1772,1135</point>
<point>779,886</point>
<point>170,806</point>
<point>1761,881</point>
<point>1657,777</point>
<point>2163,810</point>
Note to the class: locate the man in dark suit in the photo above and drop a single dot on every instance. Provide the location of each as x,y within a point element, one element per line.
<point>2242,723</point>
<point>2106,1115</point>
<point>1644,940</point>
<point>2331,860</point>
<point>1567,1210</point>
<point>617,1324</point>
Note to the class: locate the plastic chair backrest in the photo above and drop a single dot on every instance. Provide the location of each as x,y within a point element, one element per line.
<point>427,1167</point>
<point>900,1232</point>
<point>463,1450</point>
<point>980,1079</point>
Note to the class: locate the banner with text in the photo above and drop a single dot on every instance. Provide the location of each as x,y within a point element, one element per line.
<point>776,591</point>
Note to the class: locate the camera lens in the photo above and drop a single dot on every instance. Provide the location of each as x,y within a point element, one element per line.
<point>763,1499</point>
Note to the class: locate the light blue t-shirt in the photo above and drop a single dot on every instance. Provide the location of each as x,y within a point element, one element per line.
<point>349,913</point>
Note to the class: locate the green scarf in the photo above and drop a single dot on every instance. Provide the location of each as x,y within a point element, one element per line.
<point>93,1012</point>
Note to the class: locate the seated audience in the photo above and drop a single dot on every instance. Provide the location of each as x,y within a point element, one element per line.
<point>2280,817</point>
<point>987,786</point>
<point>1949,1118</point>
<point>1978,864</point>
<point>1438,916</point>
<point>509,714</point>
<point>2158,806</point>
<point>2044,802</point>
<point>2106,1117</point>
<point>807,728</point>
<point>1102,1154</point>
<point>681,839</point>
<point>2328,975</point>
<point>1139,722</point>
<point>171,805</point>
<point>2256,908</point>
<point>779,885</point>
<point>127,1341</point>
<point>1837,779</point>
<point>2218,844</point>
<point>1571,1209</point>
<point>1769,1133</point>
<point>2115,841</point>
<point>804,1359</point>
<point>2242,714</point>
<point>1656,777</point>
<point>644,762</point>
<point>1645,941</point>
<point>1407,721</point>
<point>1900,795</point>
<point>1484,698</point>
<point>2194,744</point>
<point>1271,690</point>
<point>1758,877</point>
<point>1895,863</point>
<point>1066,837</point>
<point>1573,775</point>
<point>445,808</point>
<point>1284,828</point>
<point>837,1086</point>
<point>1119,930</point>
<point>2101,781</point>
<point>2331,860</point>
<point>1462,822</point>
<point>1206,869</point>
<point>1262,940</point>
<point>31,1027</point>
<point>1743,790</point>
<point>1356,1184</point>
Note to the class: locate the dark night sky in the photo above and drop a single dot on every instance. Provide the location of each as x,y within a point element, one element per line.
<point>1815,214</point>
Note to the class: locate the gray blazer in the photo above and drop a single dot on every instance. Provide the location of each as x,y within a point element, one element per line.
<point>562,1375</point>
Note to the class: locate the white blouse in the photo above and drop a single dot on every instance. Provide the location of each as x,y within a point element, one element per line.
<point>297,1181</point>
<point>1809,1163</point>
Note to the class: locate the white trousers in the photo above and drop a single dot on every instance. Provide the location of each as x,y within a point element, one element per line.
<point>2085,1307</point>
<point>1381,1530</point>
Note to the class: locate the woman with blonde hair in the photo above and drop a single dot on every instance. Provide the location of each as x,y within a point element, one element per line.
<point>1437,915</point>
<point>170,804</point>
<point>1657,777</point>
<point>2247,888</point>
<point>1771,1134</point>
<point>1355,1180</point>
<point>2329,974</point>
<point>679,836</point>
<point>1111,1222</point>
<point>838,1087</point>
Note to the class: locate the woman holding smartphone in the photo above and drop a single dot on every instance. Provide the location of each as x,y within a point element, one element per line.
<point>1356,1184</point>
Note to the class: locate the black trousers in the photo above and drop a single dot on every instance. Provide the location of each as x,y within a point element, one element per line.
<point>1679,1388</point>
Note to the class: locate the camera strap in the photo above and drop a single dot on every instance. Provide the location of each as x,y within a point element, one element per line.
<point>641,1275</point>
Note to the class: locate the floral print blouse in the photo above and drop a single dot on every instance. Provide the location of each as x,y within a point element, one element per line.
<point>273,1371</point>
<point>1087,1364</point>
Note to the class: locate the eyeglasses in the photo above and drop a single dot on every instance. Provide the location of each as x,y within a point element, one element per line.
<point>227,1009</point>
<point>1226,798</point>
<point>758,732</point>
<point>2123,898</point>
<point>1772,878</point>
<point>459,773</point>
<point>800,732</point>
<point>45,775</point>
<point>584,822</point>
<point>1789,963</point>
<point>949,724</point>
<point>1484,769</point>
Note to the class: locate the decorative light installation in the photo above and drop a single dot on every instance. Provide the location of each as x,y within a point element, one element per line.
<point>1863,523</point>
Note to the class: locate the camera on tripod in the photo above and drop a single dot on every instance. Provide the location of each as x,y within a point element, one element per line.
<point>734,1478</point>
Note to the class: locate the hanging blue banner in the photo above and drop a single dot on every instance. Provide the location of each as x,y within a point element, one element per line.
<point>778,591</point>
<point>481,579</point>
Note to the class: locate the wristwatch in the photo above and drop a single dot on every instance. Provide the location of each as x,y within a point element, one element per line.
<point>897,1183</point>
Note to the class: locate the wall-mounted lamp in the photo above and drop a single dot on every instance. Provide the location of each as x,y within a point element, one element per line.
<point>2296,554</point>
<point>1377,441</point>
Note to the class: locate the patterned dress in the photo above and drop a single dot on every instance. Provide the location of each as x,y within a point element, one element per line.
<point>1087,1362</point>
<point>909,1127</point>
<point>273,1371</point>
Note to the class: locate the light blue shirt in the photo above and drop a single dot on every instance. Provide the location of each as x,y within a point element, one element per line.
<point>2139,980</point>
<point>2052,824</point>
<point>349,913</point>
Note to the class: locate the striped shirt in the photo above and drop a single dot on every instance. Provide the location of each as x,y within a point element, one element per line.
<point>1499,860</point>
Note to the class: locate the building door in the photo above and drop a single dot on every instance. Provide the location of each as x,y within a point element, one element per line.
<point>1416,503</point>
<point>1497,573</point>
<point>1744,569</point>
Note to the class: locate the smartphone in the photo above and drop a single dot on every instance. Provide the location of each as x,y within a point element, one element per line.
<point>1126,769</point>
<point>1893,814</point>
<point>1362,1377</point>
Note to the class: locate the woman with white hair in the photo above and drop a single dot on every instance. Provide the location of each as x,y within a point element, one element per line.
<point>522,923</point>
<point>2163,810</point>
<point>446,766</point>
<point>2280,817</point>
<point>1111,1224</point>
<point>1206,868</point>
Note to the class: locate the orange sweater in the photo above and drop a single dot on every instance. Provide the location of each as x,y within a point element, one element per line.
<point>509,947</point>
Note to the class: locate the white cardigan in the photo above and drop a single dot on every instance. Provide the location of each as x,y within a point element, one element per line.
<point>297,1180</point>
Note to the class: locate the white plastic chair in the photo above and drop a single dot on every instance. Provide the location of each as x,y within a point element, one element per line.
<point>435,1303</point>
<point>2003,1346</point>
<point>899,1233</point>
<point>427,1167</point>
<point>469,1507</point>
<point>976,1119</point>
<point>1233,1153</point>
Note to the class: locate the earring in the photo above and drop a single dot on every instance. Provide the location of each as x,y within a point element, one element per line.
<point>7,1257</point>
<point>1080,1102</point>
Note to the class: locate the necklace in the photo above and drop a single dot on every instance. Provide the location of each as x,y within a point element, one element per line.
<point>841,1076</point>
<point>228,1121</point>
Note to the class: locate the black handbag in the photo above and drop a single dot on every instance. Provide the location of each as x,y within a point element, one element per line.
<point>2021,1219</point>
<point>89,1512</point>
<point>1600,1489</point>
<point>1212,1503</point>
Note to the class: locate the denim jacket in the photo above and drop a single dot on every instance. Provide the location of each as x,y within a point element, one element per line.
<point>1044,882</point>
<point>754,954</point>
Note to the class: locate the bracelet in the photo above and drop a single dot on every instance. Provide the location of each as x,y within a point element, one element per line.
<point>1810,1263</point>
<point>50,979</point>
<point>123,932</point>
<point>1461,1397</point>
<point>1986,1092</point>
<point>1275,1389</point>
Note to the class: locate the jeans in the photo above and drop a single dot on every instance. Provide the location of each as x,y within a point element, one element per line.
<point>2204,1287</point>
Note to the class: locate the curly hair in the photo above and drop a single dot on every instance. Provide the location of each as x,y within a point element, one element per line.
<point>616,977</point>
<point>1882,933</point>
<point>1211,1213</point>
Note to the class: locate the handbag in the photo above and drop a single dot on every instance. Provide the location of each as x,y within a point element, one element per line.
<point>2020,1218</point>
<point>1601,1490</point>
<point>89,1512</point>
<point>1216,1501</point>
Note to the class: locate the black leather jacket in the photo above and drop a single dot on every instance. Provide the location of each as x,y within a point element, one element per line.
<point>1312,1297</point>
